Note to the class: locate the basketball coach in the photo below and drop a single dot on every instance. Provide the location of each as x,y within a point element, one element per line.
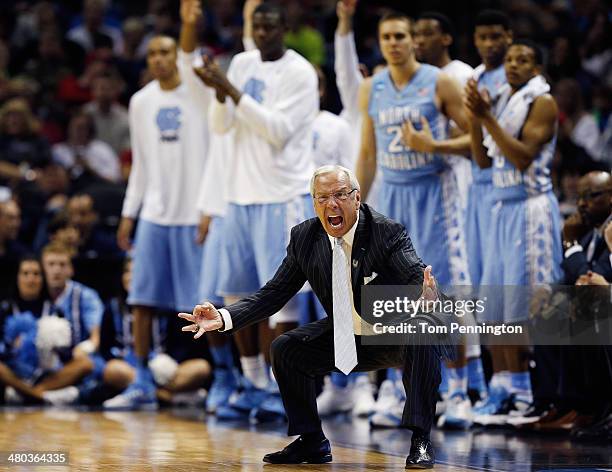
<point>348,244</point>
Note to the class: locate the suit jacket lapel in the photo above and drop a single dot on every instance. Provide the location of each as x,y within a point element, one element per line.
<point>323,247</point>
<point>360,243</point>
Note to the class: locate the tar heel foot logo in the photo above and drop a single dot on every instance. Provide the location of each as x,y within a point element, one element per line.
<point>169,122</point>
<point>255,88</point>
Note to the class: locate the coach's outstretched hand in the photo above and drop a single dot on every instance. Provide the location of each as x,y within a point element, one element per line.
<point>205,318</point>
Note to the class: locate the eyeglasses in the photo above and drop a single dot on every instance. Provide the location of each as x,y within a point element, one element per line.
<point>338,196</point>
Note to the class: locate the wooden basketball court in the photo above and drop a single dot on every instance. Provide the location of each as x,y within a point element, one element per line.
<point>185,440</point>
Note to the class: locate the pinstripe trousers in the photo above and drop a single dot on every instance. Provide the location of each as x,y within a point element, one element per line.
<point>298,360</point>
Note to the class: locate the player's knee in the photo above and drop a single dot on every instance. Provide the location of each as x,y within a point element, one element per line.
<point>118,374</point>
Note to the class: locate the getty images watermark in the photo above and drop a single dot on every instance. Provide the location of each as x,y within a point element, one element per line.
<point>503,315</point>
<point>404,307</point>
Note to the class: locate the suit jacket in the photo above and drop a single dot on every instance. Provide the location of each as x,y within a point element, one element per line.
<point>576,265</point>
<point>381,245</point>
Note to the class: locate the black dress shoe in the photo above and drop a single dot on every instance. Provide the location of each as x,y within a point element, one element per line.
<point>421,454</point>
<point>598,431</point>
<point>300,452</point>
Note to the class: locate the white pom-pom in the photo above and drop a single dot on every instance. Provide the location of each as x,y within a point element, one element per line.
<point>163,368</point>
<point>53,332</point>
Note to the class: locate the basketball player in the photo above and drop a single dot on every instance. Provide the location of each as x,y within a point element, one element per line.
<point>169,137</point>
<point>519,145</point>
<point>269,99</point>
<point>433,37</point>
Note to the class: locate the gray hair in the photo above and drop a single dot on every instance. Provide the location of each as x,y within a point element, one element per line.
<point>328,169</point>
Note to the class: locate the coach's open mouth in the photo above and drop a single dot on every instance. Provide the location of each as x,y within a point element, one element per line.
<point>335,221</point>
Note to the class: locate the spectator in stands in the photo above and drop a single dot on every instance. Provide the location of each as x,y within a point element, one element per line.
<point>23,316</point>
<point>60,230</point>
<point>92,238</point>
<point>583,372</point>
<point>134,43</point>
<point>97,251</point>
<point>79,304</point>
<point>132,61</point>
<point>11,250</point>
<point>21,148</point>
<point>85,157</point>
<point>27,295</point>
<point>109,117</point>
<point>94,32</point>
<point>24,160</point>
<point>583,237</point>
<point>575,123</point>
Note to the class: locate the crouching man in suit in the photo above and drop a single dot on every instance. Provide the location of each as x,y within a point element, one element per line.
<point>335,252</point>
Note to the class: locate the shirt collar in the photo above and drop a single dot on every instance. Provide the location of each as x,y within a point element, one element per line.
<point>349,236</point>
<point>62,296</point>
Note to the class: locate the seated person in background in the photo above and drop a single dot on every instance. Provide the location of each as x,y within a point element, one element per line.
<point>86,158</point>
<point>29,331</point>
<point>11,250</point>
<point>98,260</point>
<point>585,248</point>
<point>79,304</point>
<point>97,251</point>
<point>580,399</point>
<point>18,367</point>
<point>94,240</point>
<point>178,379</point>
<point>59,230</point>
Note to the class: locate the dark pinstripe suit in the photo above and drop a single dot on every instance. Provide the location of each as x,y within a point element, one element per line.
<point>381,245</point>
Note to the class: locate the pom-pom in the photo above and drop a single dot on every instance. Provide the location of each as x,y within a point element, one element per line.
<point>18,324</point>
<point>24,359</point>
<point>163,368</point>
<point>53,333</point>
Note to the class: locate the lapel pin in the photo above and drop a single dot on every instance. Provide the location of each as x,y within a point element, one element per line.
<point>355,262</point>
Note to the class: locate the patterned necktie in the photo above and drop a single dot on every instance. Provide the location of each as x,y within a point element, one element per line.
<point>345,351</point>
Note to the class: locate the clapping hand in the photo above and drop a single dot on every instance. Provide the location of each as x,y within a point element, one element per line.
<point>420,141</point>
<point>592,278</point>
<point>205,318</point>
<point>477,103</point>
<point>211,74</point>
